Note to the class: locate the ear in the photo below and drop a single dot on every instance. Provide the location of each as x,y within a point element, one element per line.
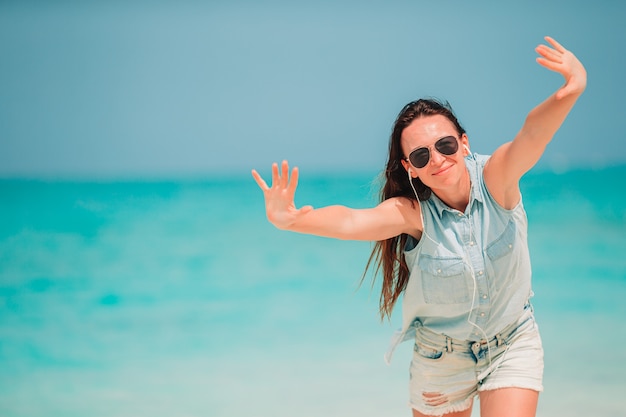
<point>465,144</point>
<point>407,167</point>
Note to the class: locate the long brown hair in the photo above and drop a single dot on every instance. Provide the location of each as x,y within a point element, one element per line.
<point>388,255</point>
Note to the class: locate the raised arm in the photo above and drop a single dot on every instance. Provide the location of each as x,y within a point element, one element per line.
<point>390,218</point>
<point>513,159</point>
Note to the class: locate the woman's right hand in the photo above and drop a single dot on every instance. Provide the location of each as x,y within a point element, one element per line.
<point>280,208</point>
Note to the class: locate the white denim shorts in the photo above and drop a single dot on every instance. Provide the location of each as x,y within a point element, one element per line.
<point>446,374</point>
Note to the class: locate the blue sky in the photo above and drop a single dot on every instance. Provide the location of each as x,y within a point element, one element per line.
<point>158,89</point>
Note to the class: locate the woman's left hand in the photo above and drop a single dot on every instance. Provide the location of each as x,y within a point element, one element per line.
<point>559,59</point>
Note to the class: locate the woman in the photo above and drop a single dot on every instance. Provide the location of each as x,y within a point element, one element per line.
<point>451,236</point>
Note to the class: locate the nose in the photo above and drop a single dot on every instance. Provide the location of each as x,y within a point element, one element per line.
<point>436,158</point>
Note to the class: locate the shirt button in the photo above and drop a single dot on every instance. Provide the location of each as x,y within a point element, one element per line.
<point>510,246</point>
<point>471,243</point>
<point>460,214</point>
<point>484,296</point>
<point>439,271</point>
<point>482,314</point>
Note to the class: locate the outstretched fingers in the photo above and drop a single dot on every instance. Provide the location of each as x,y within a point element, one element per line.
<point>259,180</point>
<point>281,179</point>
<point>549,53</point>
<point>284,178</point>
<point>551,56</point>
<point>555,44</point>
<point>558,59</point>
<point>279,197</point>
<point>275,175</point>
<point>550,64</point>
<point>293,181</point>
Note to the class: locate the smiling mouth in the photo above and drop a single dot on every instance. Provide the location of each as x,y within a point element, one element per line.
<point>443,170</point>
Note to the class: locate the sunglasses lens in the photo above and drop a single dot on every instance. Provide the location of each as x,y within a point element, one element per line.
<point>419,157</point>
<point>447,146</point>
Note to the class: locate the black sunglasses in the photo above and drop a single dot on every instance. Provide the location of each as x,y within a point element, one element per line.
<point>446,146</point>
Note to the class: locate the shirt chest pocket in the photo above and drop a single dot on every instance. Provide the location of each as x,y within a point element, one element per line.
<point>503,244</point>
<point>443,280</point>
<point>499,256</point>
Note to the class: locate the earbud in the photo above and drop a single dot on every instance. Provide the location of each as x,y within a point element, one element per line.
<point>411,183</point>
<point>467,149</point>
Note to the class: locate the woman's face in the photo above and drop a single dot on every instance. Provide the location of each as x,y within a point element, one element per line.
<point>441,171</point>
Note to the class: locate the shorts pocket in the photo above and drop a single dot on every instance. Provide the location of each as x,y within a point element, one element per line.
<point>443,280</point>
<point>427,352</point>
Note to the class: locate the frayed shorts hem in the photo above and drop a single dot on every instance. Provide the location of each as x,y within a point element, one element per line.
<point>468,402</point>
<point>450,408</point>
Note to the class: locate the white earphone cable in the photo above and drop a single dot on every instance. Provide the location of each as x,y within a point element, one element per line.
<point>465,261</point>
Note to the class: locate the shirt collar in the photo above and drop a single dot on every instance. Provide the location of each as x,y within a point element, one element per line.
<point>475,194</point>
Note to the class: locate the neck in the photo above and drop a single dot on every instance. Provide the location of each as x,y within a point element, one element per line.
<point>457,196</point>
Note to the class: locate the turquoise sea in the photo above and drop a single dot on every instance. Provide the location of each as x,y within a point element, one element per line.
<point>177,298</point>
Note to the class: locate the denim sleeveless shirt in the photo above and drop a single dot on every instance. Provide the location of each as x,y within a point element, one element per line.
<point>470,272</point>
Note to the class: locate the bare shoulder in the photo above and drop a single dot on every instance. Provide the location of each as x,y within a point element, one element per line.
<point>410,212</point>
<point>503,185</point>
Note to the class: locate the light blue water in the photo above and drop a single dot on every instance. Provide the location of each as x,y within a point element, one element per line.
<point>178,298</point>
